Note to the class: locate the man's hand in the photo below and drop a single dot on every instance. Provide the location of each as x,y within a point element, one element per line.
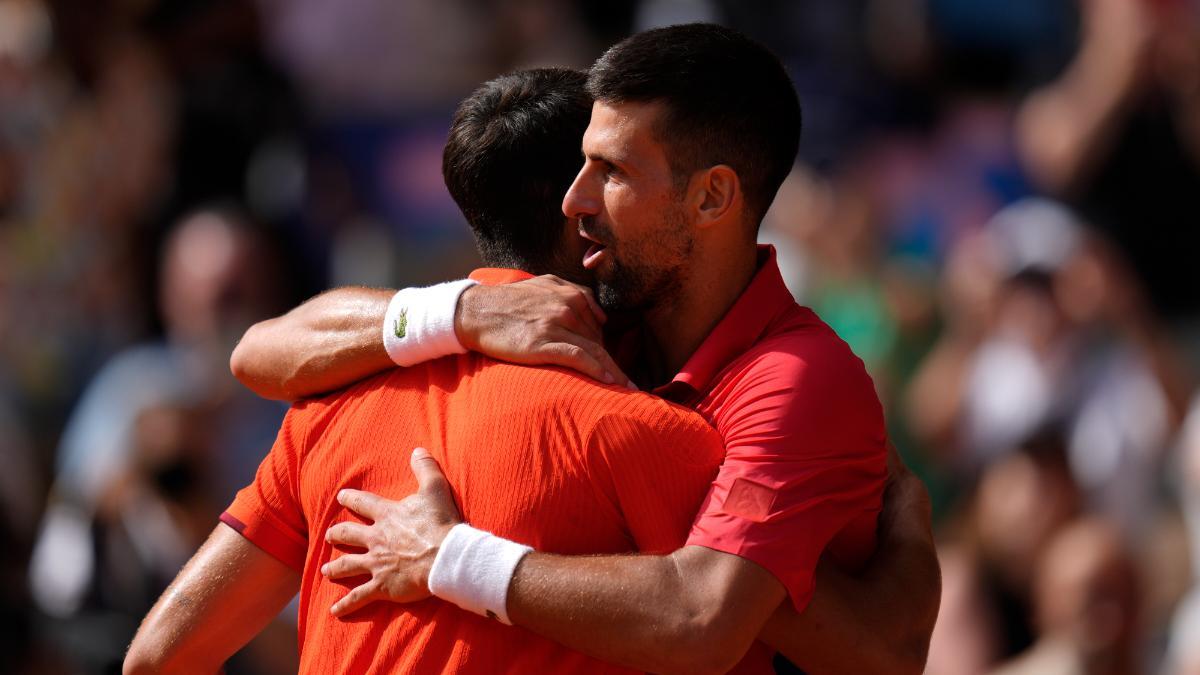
<point>537,322</point>
<point>401,542</point>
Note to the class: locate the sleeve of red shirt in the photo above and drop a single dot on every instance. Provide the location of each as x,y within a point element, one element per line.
<point>268,512</point>
<point>662,460</point>
<point>804,468</point>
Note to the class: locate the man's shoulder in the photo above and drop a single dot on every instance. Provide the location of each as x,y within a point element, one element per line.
<point>802,373</point>
<point>800,341</point>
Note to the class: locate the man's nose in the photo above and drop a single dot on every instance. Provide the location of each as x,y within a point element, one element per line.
<point>582,198</point>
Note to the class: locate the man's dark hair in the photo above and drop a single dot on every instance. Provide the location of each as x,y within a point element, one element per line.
<point>728,101</point>
<point>512,153</point>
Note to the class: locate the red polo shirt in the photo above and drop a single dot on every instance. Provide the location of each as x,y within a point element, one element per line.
<point>805,444</point>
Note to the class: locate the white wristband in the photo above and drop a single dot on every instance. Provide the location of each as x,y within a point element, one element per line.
<point>473,568</point>
<point>419,324</point>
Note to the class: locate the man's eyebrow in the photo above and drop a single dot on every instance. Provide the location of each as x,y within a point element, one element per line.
<point>602,157</point>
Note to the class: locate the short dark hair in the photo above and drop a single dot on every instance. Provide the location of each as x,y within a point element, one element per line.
<point>513,150</point>
<point>728,101</point>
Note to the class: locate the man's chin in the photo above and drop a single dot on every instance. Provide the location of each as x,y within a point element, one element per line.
<point>614,299</point>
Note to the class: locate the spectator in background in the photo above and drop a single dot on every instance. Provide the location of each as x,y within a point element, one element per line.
<point>1118,136</point>
<point>89,126</point>
<point>160,439</point>
<point>1059,338</point>
<point>217,278</point>
<point>1087,606</point>
<point>1054,391</point>
<point>115,119</point>
<point>1023,501</point>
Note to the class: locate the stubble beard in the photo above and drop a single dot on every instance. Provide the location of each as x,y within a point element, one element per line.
<point>652,279</point>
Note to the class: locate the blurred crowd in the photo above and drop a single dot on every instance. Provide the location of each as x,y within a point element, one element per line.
<point>994,205</point>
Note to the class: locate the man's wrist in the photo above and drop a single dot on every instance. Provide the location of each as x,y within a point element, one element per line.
<point>473,569</point>
<point>419,324</point>
<point>465,326</point>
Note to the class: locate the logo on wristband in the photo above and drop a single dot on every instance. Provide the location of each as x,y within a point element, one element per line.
<point>400,325</point>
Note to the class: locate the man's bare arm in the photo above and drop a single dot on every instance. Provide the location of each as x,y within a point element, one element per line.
<point>698,610</point>
<point>1063,127</point>
<point>335,339</point>
<point>692,611</point>
<point>324,344</point>
<point>228,592</point>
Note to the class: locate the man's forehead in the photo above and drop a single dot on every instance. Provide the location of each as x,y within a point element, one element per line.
<point>622,127</point>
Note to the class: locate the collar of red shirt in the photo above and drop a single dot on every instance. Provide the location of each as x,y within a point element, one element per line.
<point>495,276</point>
<point>764,300</point>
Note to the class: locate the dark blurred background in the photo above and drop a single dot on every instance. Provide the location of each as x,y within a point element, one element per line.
<point>995,205</point>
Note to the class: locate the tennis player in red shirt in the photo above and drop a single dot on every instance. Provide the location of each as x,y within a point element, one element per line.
<point>613,471</point>
<point>693,130</point>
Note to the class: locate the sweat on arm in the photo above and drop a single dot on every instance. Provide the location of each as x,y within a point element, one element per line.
<point>225,595</point>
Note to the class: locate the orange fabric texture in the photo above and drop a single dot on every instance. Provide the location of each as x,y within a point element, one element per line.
<point>544,457</point>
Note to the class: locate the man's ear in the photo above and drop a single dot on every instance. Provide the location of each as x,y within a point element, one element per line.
<point>718,195</point>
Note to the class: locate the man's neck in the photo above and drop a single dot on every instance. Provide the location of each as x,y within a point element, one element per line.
<point>677,328</point>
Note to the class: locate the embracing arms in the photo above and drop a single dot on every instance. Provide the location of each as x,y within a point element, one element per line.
<point>693,610</point>
<point>696,610</point>
<point>335,339</point>
<point>228,592</point>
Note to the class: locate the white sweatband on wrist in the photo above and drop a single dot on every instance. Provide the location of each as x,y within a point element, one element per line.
<point>473,568</point>
<point>419,324</point>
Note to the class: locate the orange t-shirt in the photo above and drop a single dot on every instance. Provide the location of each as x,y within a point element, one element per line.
<point>542,456</point>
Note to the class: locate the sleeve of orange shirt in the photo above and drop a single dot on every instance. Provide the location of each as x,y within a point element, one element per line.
<point>804,467</point>
<point>268,512</point>
<point>662,460</point>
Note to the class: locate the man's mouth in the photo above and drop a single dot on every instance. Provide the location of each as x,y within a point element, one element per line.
<point>595,253</point>
<point>594,256</point>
